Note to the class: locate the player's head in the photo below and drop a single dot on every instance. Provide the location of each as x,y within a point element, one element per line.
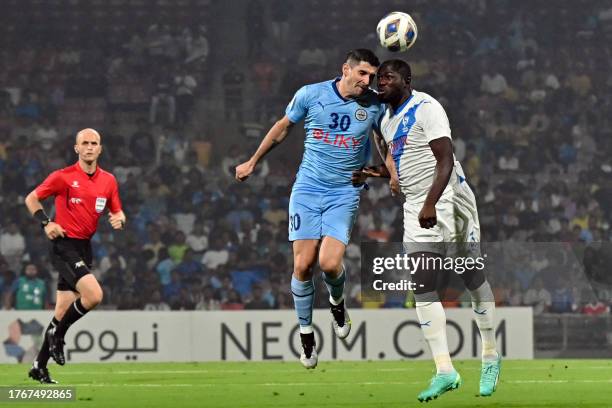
<point>359,69</point>
<point>88,145</point>
<point>393,79</point>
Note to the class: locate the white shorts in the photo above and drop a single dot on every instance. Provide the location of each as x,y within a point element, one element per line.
<point>457,221</point>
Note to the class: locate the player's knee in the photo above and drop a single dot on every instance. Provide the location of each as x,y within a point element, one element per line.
<point>93,299</point>
<point>302,268</point>
<point>330,266</point>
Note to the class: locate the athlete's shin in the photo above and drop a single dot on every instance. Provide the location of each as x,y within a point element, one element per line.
<point>335,285</point>
<point>432,320</point>
<point>483,305</point>
<point>43,355</point>
<point>303,298</point>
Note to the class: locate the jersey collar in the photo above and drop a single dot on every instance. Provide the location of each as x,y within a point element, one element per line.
<point>402,106</point>
<point>80,170</point>
<point>335,88</point>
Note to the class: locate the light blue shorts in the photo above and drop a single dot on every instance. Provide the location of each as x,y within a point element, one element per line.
<point>318,212</point>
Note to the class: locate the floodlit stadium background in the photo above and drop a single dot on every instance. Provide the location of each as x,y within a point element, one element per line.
<point>527,88</point>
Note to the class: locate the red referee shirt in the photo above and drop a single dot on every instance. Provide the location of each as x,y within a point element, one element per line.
<point>80,199</point>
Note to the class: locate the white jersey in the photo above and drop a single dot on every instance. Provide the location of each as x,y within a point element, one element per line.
<point>407,132</point>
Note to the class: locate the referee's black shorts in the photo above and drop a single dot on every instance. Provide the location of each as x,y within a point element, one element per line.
<point>72,258</point>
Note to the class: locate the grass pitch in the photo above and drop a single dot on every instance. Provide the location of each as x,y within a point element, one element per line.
<point>537,383</point>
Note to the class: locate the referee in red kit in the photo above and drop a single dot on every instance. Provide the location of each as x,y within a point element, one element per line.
<point>82,193</point>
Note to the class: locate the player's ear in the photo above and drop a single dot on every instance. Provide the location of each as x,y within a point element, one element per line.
<point>346,69</point>
<point>76,149</point>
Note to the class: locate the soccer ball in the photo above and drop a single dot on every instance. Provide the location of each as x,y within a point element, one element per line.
<point>397,31</point>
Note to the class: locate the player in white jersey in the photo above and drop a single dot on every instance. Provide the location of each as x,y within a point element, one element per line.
<point>439,208</point>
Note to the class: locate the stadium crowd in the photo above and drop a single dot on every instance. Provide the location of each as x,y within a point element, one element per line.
<point>528,103</point>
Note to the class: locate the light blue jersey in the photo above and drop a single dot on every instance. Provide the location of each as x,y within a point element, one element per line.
<point>337,133</point>
<point>323,201</point>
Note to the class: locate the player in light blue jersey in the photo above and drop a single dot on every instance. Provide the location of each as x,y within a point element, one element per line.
<point>338,115</point>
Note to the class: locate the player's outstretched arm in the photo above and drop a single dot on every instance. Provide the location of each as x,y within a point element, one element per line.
<point>442,149</point>
<point>360,176</point>
<point>273,138</point>
<point>52,229</point>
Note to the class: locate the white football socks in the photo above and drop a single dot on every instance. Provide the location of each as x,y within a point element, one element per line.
<point>433,324</point>
<point>483,305</point>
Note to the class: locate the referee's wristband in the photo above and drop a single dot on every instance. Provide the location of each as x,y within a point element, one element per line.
<point>42,217</point>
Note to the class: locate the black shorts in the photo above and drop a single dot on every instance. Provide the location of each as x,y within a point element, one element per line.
<point>72,258</point>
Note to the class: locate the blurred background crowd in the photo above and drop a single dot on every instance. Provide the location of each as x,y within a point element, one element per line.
<point>182,91</point>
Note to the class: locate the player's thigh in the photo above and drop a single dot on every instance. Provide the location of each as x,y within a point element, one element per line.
<point>419,239</point>
<point>304,257</point>
<point>339,215</point>
<point>72,261</point>
<point>63,300</point>
<point>304,215</point>
<point>331,255</point>
<point>467,210</point>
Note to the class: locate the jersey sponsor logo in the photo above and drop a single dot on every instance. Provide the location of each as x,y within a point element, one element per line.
<point>75,184</point>
<point>361,114</point>
<point>395,144</point>
<point>100,204</point>
<point>75,200</point>
<point>342,141</point>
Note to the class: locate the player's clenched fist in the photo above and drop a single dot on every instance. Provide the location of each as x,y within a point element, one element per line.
<point>244,170</point>
<point>427,216</point>
<point>117,220</point>
<point>54,230</point>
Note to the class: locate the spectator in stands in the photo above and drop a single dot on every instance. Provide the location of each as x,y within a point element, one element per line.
<point>255,28</point>
<point>12,245</point>
<point>185,85</point>
<point>257,301</point>
<point>156,303</point>
<point>493,82</point>
<point>233,301</point>
<point>197,49</point>
<point>163,95</point>
<point>562,299</point>
<point>29,291</point>
<point>178,247</point>
<point>595,307</point>
<point>197,240</point>
<point>233,85</point>
<point>216,255</point>
<point>538,297</point>
<point>189,268</point>
<point>184,300</point>
<point>280,11</point>
<point>209,300</point>
<point>46,136</point>
<point>142,145</point>
<point>312,57</point>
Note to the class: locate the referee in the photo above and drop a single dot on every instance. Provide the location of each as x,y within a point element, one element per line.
<point>82,193</point>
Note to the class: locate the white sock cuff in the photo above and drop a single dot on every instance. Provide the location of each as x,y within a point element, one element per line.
<point>306,329</point>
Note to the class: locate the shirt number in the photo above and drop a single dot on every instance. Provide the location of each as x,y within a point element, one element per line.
<point>344,121</point>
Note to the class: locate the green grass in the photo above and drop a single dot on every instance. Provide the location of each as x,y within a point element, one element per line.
<point>538,383</point>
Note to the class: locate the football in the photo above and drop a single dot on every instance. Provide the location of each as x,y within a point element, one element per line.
<point>397,31</point>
